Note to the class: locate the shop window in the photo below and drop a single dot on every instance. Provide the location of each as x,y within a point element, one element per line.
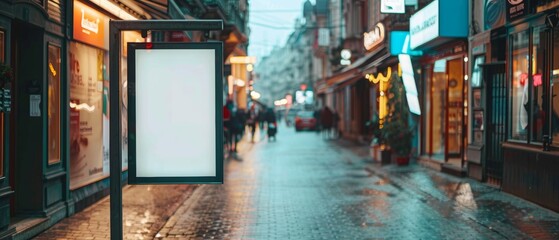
<point>53,101</point>
<point>2,61</point>
<point>477,71</point>
<point>555,90</point>
<point>2,46</point>
<point>537,96</point>
<point>427,99</point>
<point>520,86</point>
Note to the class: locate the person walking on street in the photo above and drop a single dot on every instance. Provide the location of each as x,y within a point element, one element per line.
<point>272,127</point>
<point>326,121</point>
<point>261,118</point>
<point>316,115</point>
<point>252,117</point>
<point>227,128</point>
<point>335,122</point>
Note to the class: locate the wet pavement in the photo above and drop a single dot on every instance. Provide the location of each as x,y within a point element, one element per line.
<point>146,208</point>
<point>303,186</point>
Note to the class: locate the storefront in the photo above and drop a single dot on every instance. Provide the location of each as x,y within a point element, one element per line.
<point>88,76</point>
<point>32,44</point>
<point>53,137</point>
<point>440,32</point>
<point>531,150</point>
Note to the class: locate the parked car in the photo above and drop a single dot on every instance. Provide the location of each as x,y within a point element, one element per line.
<point>304,120</point>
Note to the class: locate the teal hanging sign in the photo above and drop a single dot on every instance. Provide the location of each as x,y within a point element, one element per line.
<point>400,44</point>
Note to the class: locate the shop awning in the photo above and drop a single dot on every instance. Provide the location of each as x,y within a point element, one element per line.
<point>354,72</point>
<point>151,9</point>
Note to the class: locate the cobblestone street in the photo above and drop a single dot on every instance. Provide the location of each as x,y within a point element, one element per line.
<point>305,187</point>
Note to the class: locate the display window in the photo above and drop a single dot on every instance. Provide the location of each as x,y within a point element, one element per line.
<point>87,161</point>
<point>555,90</point>
<point>529,90</point>
<point>53,101</point>
<point>537,96</point>
<point>520,86</point>
<point>2,61</point>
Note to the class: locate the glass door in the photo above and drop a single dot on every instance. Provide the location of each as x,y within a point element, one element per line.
<point>455,116</point>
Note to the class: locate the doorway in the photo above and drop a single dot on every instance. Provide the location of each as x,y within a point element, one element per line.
<point>496,99</point>
<point>26,131</point>
<point>445,124</point>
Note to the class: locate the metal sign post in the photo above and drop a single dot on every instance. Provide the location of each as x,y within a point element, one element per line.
<point>115,29</point>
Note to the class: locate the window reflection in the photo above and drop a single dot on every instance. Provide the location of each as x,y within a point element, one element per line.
<point>538,114</point>
<point>2,61</point>
<point>555,89</point>
<point>53,104</point>
<point>520,85</point>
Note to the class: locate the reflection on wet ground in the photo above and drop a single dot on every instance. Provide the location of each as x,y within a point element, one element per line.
<point>305,187</point>
<point>146,209</point>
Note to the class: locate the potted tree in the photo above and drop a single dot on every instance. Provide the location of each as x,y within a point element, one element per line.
<point>396,131</point>
<point>377,143</point>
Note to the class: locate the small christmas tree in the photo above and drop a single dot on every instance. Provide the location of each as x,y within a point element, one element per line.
<point>396,131</point>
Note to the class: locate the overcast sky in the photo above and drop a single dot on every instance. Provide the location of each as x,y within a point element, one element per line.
<point>271,22</point>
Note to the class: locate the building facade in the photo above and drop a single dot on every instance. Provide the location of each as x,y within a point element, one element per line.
<point>54,119</point>
<point>515,109</point>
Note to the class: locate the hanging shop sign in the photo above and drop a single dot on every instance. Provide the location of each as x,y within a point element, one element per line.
<point>392,6</point>
<point>517,9</point>
<point>494,15</point>
<point>374,37</point>
<point>90,26</point>
<point>438,22</point>
<point>409,83</point>
<point>167,144</point>
<point>400,43</point>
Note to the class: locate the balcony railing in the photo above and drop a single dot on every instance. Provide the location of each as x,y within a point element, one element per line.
<point>232,14</point>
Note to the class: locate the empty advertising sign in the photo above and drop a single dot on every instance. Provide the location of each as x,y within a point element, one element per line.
<point>175,122</point>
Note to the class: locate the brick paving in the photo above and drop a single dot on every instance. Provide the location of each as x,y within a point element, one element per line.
<point>146,208</point>
<point>305,187</point>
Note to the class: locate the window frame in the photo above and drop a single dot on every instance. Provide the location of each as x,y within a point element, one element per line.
<point>59,104</point>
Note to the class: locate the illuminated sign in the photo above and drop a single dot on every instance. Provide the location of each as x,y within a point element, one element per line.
<point>164,139</point>
<point>517,9</point>
<point>382,81</point>
<point>380,76</point>
<point>409,83</point>
<point>440,20</point>
<point>323,37</point>
<point>90,26</point>
<point>346,56</point>
<point>424,25</point>
<point>242,60</point>
<point>392,6</point>
<point>374,37</point>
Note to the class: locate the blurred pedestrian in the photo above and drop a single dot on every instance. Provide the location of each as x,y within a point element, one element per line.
<point>326,121</point>
<point>227,128</point>
<point>272,127</point>
<point>252,117</point>
<point>261,117</point>
<point>237,126</point>
<point>316,115</point>
<point>335,122</point>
